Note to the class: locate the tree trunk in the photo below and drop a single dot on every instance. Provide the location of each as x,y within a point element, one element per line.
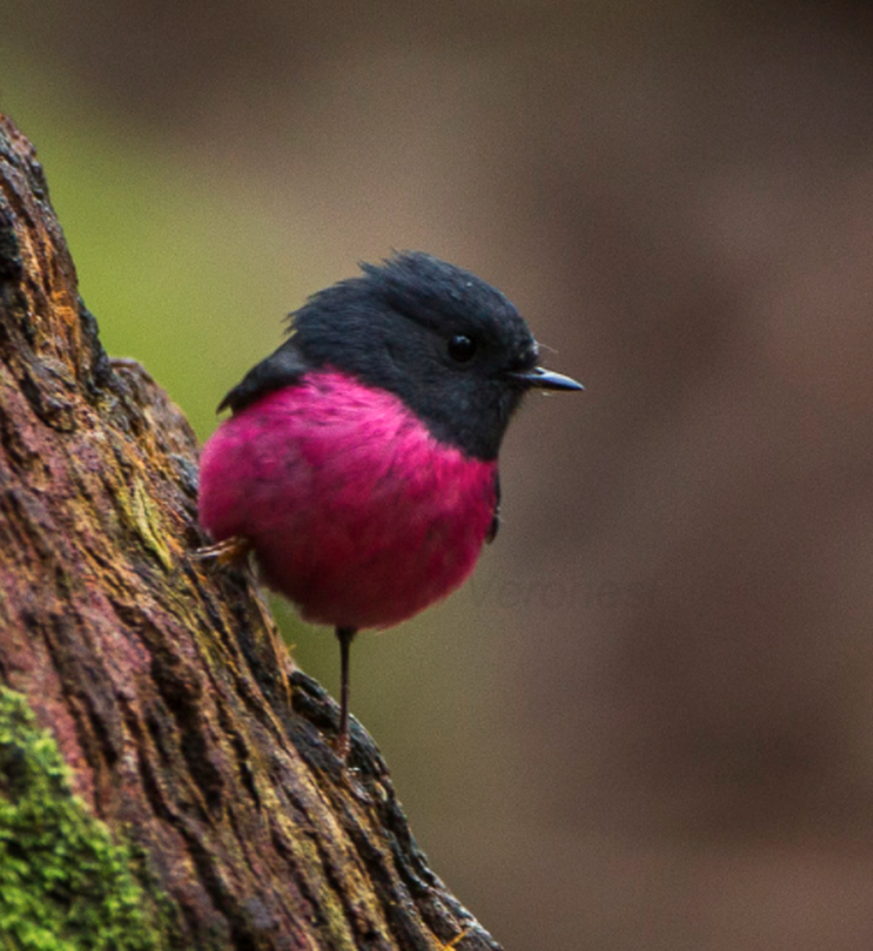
<point>196,801</point>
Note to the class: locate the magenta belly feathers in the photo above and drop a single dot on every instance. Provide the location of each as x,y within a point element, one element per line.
<point>357,513</point>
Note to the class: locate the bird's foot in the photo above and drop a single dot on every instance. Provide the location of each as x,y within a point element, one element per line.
<point>341,746</point>
<point>229,551</point>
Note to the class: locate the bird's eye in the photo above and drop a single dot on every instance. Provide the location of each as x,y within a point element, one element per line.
<point>462,348</point>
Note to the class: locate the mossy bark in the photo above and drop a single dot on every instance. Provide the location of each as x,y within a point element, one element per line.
<point>196,757</point>
<point>65,880</point>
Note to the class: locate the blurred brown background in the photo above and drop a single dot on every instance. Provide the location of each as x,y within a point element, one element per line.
<point>648,721</point>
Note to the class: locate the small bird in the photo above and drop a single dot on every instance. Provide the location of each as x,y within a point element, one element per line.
<point>360,462</point>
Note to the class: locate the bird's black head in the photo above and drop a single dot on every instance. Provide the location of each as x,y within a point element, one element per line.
<point>453,348</point>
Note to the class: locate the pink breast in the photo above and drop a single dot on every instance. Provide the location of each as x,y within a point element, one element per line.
<point>356,513</point>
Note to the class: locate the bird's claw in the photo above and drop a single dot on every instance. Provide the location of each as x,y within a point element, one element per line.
<point>229,551</point>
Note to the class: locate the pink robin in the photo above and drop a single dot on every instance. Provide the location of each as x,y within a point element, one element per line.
<point>360,462</point>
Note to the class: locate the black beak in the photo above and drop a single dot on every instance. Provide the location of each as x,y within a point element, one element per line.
<point>545,379</point>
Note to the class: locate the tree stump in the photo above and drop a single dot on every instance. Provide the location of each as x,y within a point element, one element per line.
<point>166,775</point>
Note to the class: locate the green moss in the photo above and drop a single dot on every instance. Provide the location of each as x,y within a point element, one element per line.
<point>65,885</point>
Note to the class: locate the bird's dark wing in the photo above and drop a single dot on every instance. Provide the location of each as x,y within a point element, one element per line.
<point>495,518</point>
<point>284,367</point>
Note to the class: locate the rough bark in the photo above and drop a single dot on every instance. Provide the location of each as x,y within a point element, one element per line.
<point>184,725</point>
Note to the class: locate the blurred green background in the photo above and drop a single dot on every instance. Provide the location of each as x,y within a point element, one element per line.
<point>646,722</point>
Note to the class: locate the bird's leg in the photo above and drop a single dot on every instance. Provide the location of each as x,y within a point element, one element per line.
<point>229,551</point>
<point>345,636</point>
